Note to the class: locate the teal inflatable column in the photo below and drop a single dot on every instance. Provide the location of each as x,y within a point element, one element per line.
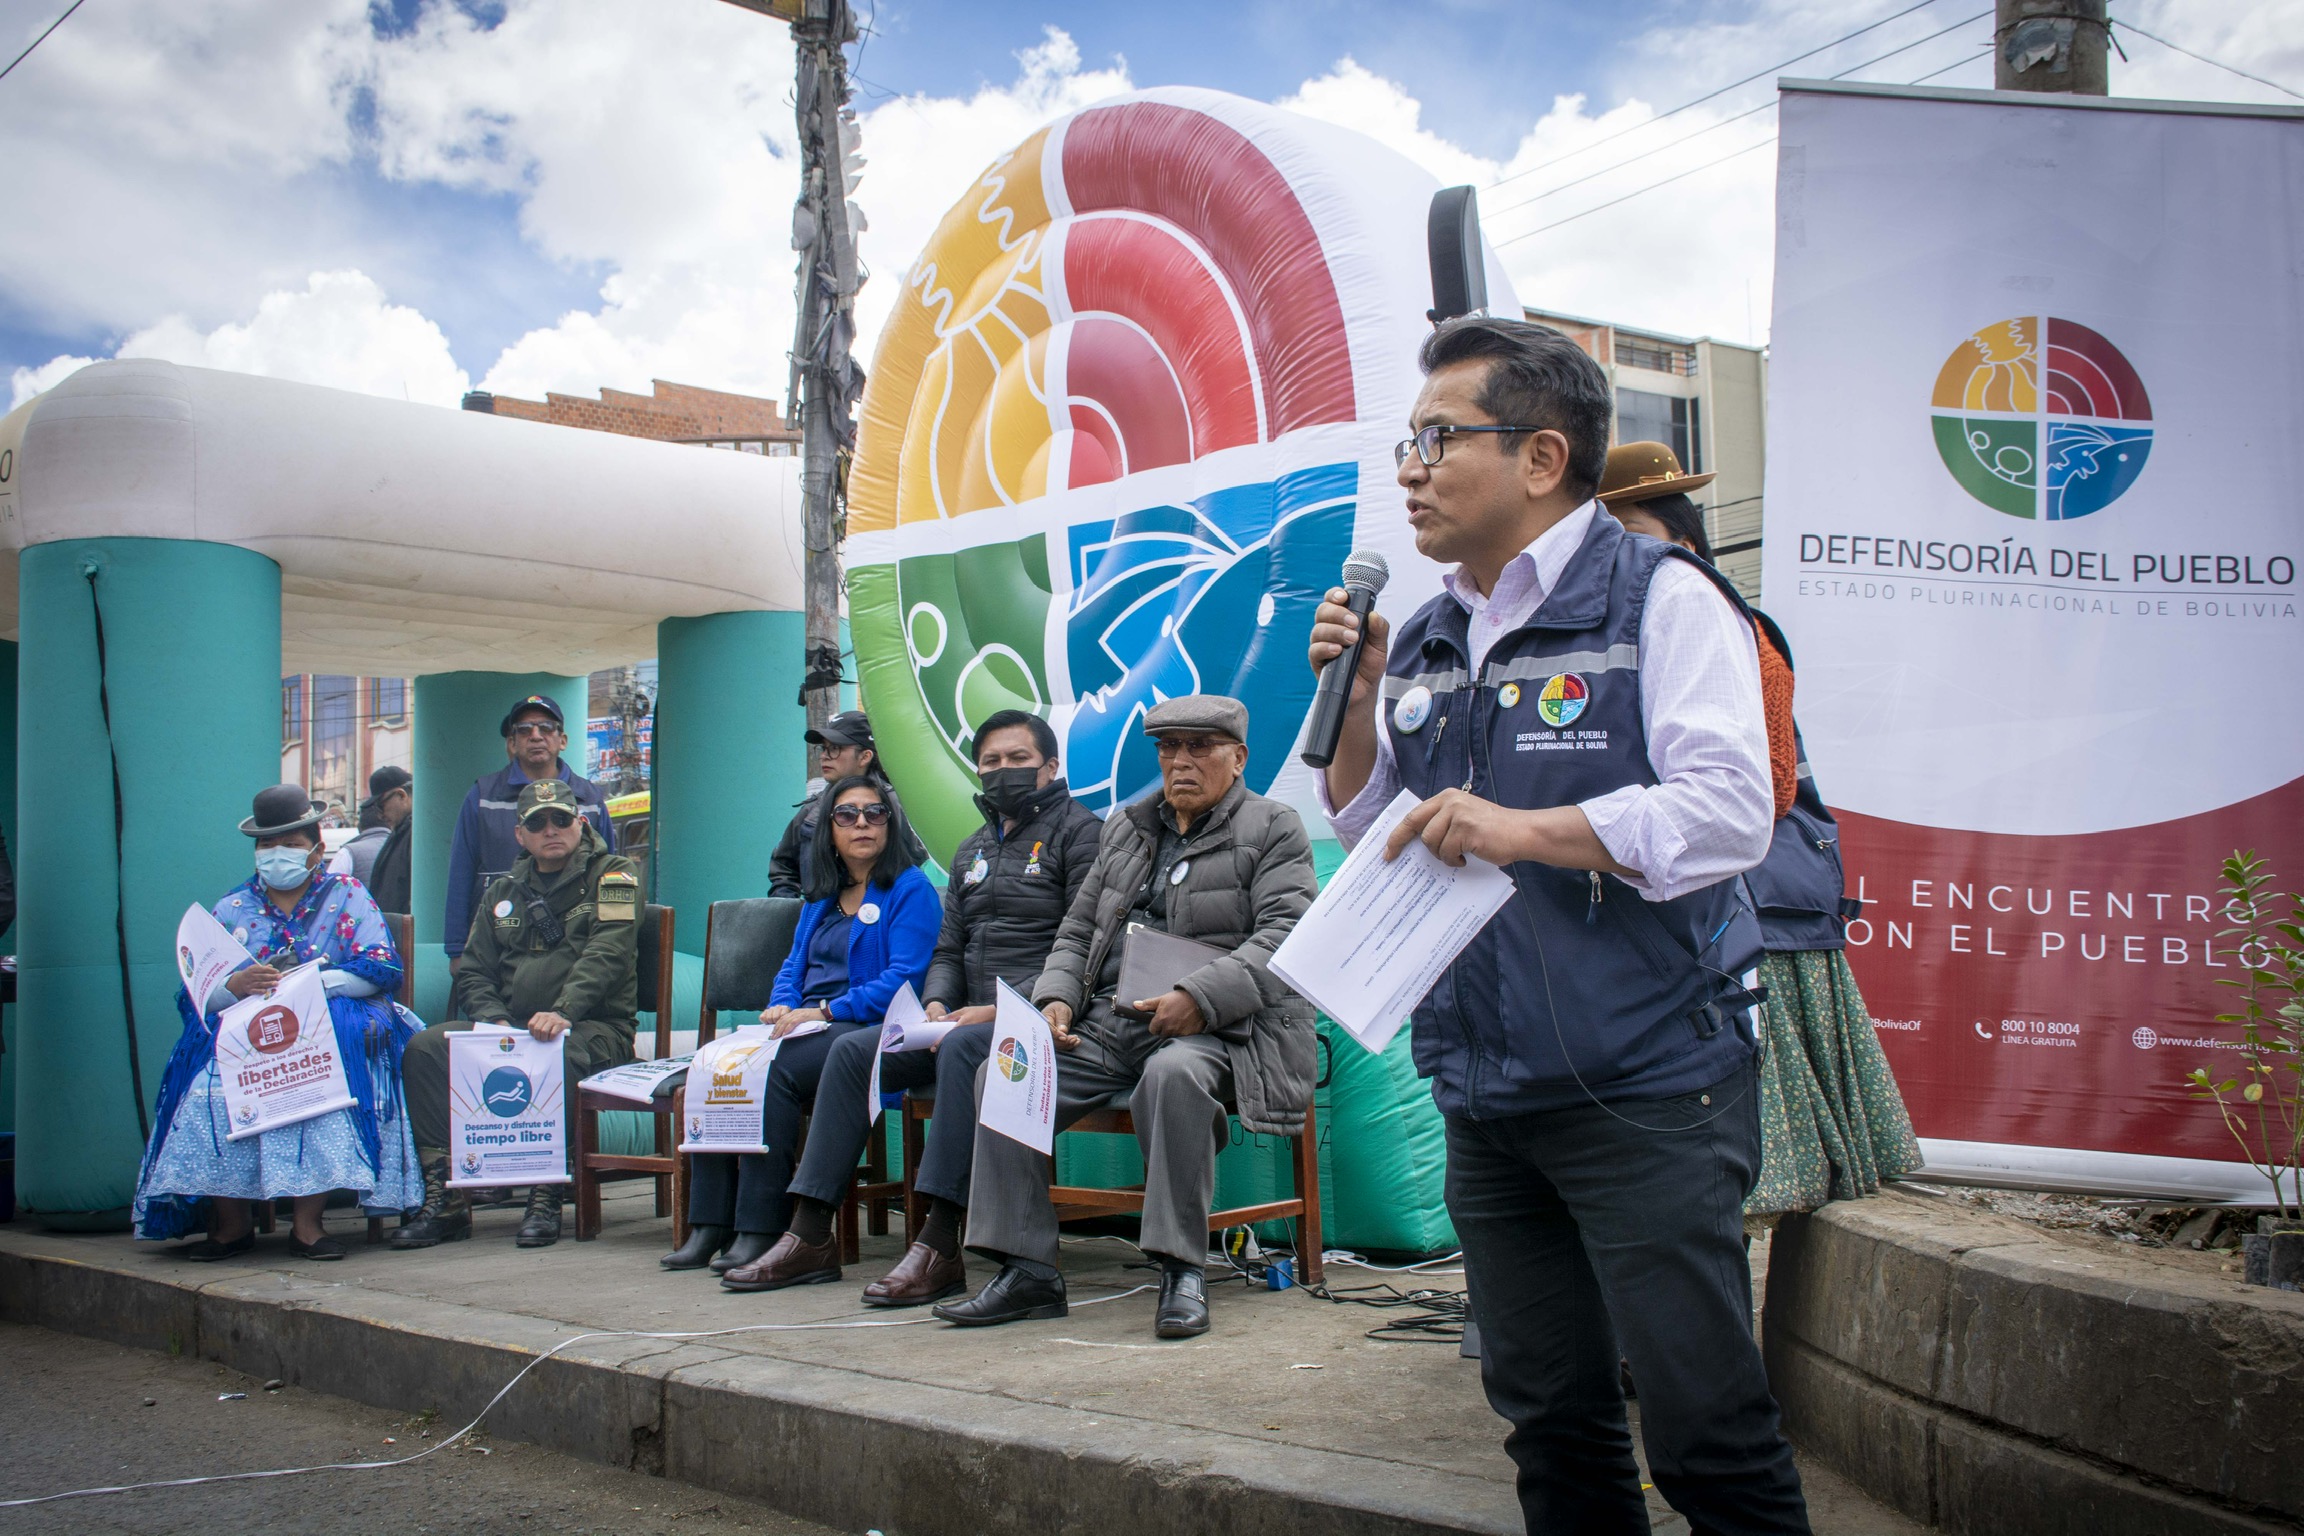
<point>459,738</point>
<point>191,668</point>
<point>730,759</point>
<point>8,833</point>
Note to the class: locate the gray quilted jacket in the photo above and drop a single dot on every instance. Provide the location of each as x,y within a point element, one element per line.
<point>1249,879</point>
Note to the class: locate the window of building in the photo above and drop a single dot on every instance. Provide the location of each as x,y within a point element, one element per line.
<point>1643,417</point>
<point>389,705</point>
<point>291,710</point>
<point>335,715</point>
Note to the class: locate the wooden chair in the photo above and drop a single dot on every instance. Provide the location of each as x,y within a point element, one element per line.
<point>1079,1203</point>
<point>593,1167</point>
<point>745,945</point>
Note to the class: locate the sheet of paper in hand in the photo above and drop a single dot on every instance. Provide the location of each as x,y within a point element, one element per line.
<point>1020,1080</point>
<point>904,1011</point>
<point>206,953</point>
<point>1381,933</point>
<point>639,1082</point>
<point>277,1057</point>
<point>506,1090</point>
<point>727,1088</point>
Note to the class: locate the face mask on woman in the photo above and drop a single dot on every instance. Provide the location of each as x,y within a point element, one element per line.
<point>283,869</point>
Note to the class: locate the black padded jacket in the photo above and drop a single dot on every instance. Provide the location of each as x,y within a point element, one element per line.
<point>1007,896</point>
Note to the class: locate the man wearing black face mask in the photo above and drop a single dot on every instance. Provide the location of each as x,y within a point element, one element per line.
<point>1011,883</point>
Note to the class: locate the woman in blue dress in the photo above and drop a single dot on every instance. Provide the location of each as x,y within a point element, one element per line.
<point>289,913</point>
<point>869,927</point>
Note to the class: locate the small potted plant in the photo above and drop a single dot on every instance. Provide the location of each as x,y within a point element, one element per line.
<point>2263,1103</point>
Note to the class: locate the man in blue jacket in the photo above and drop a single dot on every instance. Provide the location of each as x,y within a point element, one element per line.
<point>1581,706</point>
<point>535,734</point>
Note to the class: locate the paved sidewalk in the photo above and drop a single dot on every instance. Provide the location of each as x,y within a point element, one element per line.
<point>1285,1413</point>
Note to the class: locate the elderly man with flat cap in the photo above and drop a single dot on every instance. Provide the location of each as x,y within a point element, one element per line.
<point>1209,860</point>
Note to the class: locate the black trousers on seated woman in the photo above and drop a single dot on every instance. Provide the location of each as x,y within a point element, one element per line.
<point>748,1191</point>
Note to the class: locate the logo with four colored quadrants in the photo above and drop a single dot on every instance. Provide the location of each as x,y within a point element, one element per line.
<point>1563,699</point>
<point>2042,418</point>
<point>1014,1061</point>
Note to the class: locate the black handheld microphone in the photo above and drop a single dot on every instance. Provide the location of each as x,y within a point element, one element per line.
<point>1364,576</point>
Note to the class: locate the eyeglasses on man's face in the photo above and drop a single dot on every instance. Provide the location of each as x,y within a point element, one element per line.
<point>859,815</point>
<point>539,820</point>
<point>537,728</point>
<point>1197,747</point>
<point>1430,443</point>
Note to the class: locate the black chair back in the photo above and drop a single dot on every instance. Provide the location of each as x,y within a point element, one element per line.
<point>745,944</point>
<point>652,956</point>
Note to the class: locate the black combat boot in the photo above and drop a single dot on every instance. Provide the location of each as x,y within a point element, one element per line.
<point>446,1216</point>
<point>540,1228</point>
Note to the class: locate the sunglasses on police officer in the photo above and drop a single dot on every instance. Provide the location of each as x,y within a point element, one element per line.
<point>539,820</point>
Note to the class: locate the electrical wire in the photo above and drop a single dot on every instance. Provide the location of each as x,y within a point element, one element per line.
<point>1707,96</point>
<point>501,1393</point>
<point>2129,26</point>
<point>1739,117</point>
<point>1747,149</point>
<point>52,26</point>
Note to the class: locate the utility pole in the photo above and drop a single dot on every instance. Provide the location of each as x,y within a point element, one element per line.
<point>2050,45</point>
<point>825,379</point>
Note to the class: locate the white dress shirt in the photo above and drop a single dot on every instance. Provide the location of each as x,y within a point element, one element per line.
<point>1712,810</point>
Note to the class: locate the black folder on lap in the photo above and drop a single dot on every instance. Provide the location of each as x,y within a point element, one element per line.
<point>1152,962</point>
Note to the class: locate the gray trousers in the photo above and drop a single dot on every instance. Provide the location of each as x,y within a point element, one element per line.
<point>1179,1085</point>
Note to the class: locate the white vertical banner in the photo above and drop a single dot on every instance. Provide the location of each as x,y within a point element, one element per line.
<point>277,1058</point>
<point>727,1092</point>
<point>2033,531</point>
<point>506,1090</point>
<point>1020,1079</point>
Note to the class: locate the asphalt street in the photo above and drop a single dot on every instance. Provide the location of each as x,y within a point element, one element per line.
<point>78,1413</point>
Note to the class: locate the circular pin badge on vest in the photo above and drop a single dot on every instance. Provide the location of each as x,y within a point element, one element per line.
<point>504,909</point>
<point>1414,708</point>
<point>1508,695</point>
<point>1176,875</point>
<point>868,914</point>
<point>979,869</point>
<point>240,935</point>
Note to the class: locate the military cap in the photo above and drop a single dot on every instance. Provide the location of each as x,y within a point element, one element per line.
<point>548,795</point>
<point>1212,713</point>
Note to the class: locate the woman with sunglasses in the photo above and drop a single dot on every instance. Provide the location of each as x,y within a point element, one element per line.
<point>869,927</point>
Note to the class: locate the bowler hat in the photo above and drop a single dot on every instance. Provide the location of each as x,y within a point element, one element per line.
<point>1640,472</point>
<point>282,809</point>
<point>1212,713</point>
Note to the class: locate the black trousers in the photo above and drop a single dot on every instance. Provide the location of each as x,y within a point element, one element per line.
<point>748,1191</point>
<point>839,1128</point>
<point>1585,1237</point>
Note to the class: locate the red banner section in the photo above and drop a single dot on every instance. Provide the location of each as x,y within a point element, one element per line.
<point>2054,991</point>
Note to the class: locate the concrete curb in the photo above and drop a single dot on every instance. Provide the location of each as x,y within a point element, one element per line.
<point>1976,1375</point>
<point>843,1447</point>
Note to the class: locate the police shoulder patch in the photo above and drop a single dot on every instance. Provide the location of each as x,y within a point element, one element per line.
<point>619,896</point>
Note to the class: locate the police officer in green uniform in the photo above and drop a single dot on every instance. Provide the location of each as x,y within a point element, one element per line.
<point>554,949</point>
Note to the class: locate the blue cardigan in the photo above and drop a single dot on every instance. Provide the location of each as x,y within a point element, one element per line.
<point>882,956</point>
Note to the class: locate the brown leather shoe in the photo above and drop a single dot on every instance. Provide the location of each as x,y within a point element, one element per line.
<point>790,1262</point>
<point>923,1275</point>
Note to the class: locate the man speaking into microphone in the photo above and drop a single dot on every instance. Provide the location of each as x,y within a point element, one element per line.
<point>1581,706</point>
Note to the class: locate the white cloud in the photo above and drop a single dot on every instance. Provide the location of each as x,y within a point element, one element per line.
<point>337,330</point>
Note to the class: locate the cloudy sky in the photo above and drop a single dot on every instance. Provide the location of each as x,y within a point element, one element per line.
<point>416,197</point>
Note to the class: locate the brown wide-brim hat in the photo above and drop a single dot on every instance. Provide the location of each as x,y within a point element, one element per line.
<point>1639,472</point>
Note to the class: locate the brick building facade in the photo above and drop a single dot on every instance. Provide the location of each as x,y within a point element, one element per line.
<point>675,413</point>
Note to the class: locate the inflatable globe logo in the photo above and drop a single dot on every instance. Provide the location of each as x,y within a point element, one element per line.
<point>1116,432</point>
<point>2042,418</point>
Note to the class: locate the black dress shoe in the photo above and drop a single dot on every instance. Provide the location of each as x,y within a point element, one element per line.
<point>324,1247</point>
<point>702,1244</point>
<point>1013,1296</point>
<point>208,1250</point>
<point>1183,1310</point>
<point>744,1248</point>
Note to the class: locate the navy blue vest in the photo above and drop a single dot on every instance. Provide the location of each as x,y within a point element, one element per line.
<point>1800,888</point>
<point>1579,986</point>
